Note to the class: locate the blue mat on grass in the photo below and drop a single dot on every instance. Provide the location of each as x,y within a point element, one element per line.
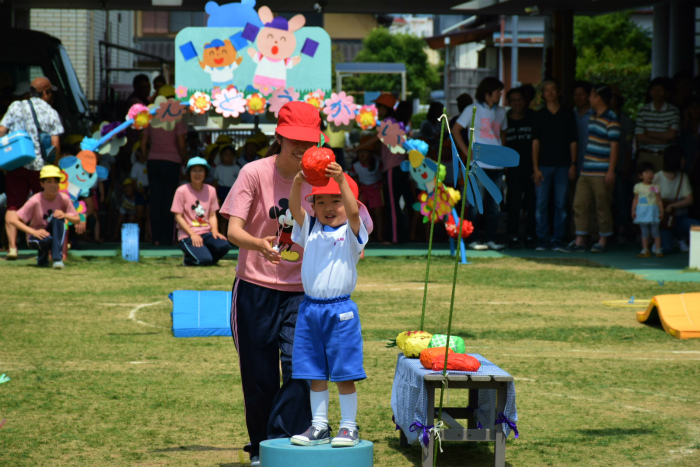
<point>201,313</point>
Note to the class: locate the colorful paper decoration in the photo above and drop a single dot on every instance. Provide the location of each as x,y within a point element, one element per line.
<point>340,109</point>
<point>367,117</point>
<point>392,134</point>
<point>451,228</point>
<point>168,112</point>
<point>181,92</point>
<point>112,146</point>
<point>235,14</point>
<point>229,102</point>
<point>315,98</point>
<point>280,97</point>
<point>200,102</point>
<point>140,115</point>
<point>256,104</point>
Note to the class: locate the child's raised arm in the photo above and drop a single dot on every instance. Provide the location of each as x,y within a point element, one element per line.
<point>352,210</point>
<point>295,208</point>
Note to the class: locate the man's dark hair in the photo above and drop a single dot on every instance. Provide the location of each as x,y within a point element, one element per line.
<point>434,112</point>
<point>529,92</point>
<point>604,91</point>
<point>464,100</point>
<point>512,91</point>
<point>138,79</point>
<point>487,86</point>
<point>159,79</point>
<point>661,81</point>
<point>673,158</point>
<point>585,85</point>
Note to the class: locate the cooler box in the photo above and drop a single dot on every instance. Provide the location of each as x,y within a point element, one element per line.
<point>16,150</point>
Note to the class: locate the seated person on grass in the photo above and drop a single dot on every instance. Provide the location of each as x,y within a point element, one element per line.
<point>195,206</point>
<point>328,338</point>
<point>43,217</point>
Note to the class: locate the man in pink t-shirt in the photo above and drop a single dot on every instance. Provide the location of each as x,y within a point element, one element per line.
<point>43,217</point>
<point>268,289</point>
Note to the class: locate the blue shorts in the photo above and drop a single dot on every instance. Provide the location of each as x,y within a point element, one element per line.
<point>328,340</point>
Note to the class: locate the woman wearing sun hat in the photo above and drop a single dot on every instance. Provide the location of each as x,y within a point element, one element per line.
<point>195,205</point>
<point>268,288</point>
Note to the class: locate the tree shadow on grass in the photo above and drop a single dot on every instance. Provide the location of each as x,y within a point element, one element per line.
<point>584,263</point>
<point>474,454</point>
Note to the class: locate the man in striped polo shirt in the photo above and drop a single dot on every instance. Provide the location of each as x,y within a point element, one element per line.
<point>658,124</point>
<point>597,180</point>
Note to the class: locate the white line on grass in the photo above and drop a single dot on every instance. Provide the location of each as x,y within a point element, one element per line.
<point>132,314</point>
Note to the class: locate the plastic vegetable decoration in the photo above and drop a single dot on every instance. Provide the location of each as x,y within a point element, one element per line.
<point>315,161</point>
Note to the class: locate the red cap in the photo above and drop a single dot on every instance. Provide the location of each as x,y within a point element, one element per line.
<point>300,121</point>
<point>332,188</point>
<point>386,99</point>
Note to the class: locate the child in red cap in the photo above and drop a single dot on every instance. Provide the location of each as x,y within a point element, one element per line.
<point>328,338</point>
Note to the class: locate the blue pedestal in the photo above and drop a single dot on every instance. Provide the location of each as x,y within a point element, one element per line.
<point>130,242</point>
<point>282,453</point>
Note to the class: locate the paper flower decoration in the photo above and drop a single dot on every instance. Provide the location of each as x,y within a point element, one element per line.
<point>315,98</point>
<point>427,204</point>
<point>168,113</point>
<point>340,109</point>
<point>88,144</point>
<point>139,113</point>
<point>451,228</point>
<point>256,104</point>
<point>367,117</point>
<point>181,91</point>
<point>280,97</point>
<point>392,134</point>
<point>230,102</point>
<point>112,146</point>
<point>200,103</point>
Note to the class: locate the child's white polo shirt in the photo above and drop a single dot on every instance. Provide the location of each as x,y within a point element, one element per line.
<point>329,269</point>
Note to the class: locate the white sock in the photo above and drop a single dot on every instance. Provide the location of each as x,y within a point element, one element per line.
<point>348,410</point>
<point>319,409</point>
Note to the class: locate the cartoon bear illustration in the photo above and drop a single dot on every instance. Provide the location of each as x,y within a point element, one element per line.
<point>232,15</point>
<point>276,43</point>
<point>286,222</point>
<point>199,212</point>
<point>220,59</point>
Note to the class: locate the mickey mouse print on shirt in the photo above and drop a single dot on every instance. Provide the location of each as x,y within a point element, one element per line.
<point>200,213</point>
<point>286,224</point>
<point>48,216</point>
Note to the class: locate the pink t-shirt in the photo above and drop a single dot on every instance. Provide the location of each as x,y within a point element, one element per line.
<point>38,211</point>
<point>196,207</point>
<point>163,143</point>
<point>260,196</point>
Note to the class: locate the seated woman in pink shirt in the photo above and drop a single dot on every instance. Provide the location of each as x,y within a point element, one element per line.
<point>195,206</point>
<point>43,218</point>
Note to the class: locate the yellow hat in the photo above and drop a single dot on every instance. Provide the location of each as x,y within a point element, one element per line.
<point>260,138</point>
<point>127,181</point>
<point>210,148</point>
<point>167,90</point>
<point>73,139</point>
<point>223,140</point>
<point>50,171</point>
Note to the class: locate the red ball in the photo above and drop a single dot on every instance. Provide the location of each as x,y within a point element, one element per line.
<point>314,163</point>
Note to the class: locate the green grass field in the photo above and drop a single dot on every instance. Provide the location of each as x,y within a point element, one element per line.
<point>98,379</point>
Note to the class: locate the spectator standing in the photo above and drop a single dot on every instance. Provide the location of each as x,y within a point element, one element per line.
<point>554,150</point>
<point>597,181</point>
<point>623,171</point>
<point>430,127</point>
<point>165,151</point>
<point>690,133</point>
<point>336,140</point>
<point>22,181</point>
<point>368,175</point>
<point>139,174</point>
<point>463,100</point>
<point>582,111</point>
<point>489,128</point>
<point>521,188</point>
<point>677,195</point>
<point>658,124</point>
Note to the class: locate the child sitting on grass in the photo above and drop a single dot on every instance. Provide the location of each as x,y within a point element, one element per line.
<point>647,209</point>
<point>328,338</point>
<point>43,217</point>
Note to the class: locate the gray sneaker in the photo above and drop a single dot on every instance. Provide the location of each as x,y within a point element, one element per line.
<point>598,248</point>
<point>312,437</point>
<point>255,461</point>
<point>58,265</point>
<point>346,438</point>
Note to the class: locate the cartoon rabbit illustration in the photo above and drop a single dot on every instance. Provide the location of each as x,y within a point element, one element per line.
<point>276,43</point>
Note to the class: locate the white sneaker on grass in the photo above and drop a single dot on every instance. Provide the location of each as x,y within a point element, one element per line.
<point>477,246</point>
<point>58,265</point>
<point>495,246</point>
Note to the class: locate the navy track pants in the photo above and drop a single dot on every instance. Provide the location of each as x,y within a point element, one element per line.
<point>262,323</point>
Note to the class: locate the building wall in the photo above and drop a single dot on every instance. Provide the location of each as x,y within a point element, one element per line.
<point>80,32</point>
<point>348,26</point>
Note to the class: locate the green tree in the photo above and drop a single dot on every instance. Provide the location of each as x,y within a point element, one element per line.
<point>380,46</point>
<point>613,49</point>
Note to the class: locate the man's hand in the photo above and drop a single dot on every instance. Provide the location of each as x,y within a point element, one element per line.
<point>40,234</point>
<point>572,172</point>
<point>219,235</point>
<point>58,214</point>
<point>610,178</point>
<point>335,171</point>
<point>265,247</point>
<point>197,240</point>
<point>81,226</point>
<point>537,177</point>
